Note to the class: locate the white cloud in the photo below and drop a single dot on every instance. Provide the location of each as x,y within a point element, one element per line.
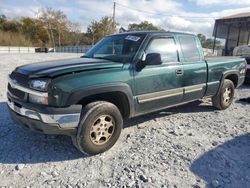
<point>222,2</point>
<point>195,23</point>
<point>13,12</point>
<point>168,14</point>
<point>184,25</point>
<point>229,12</point>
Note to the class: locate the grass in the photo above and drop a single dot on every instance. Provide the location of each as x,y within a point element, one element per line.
<point>13,39</point>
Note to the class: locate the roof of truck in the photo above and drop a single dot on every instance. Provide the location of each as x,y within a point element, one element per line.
<point>153,32</point>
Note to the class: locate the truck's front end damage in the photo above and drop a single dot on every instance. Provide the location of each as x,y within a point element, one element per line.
<point>29,108</point>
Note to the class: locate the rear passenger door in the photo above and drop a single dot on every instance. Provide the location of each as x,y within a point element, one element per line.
<point>194,67</point>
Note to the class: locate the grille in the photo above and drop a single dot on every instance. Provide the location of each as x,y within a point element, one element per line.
<point>16,93</point>
<point>20,78</point>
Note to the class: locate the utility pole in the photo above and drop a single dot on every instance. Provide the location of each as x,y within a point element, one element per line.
<point>114,17</point>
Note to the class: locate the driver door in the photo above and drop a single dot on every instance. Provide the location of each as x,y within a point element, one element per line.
<point>159,86</point>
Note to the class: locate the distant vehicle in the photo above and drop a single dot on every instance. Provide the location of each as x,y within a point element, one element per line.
<point>244,51</point>
<point>41,50</point>
<point>122,76</point>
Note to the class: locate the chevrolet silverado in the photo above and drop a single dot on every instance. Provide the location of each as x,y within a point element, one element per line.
<point>122,76</point>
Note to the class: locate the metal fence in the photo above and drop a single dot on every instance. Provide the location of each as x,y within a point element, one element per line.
<point>63,49</point>
<point>15,49</point>
<point>73,49</point>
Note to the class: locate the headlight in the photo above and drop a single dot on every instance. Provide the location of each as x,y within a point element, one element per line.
<point>39,84</point>
<point>38,99</point>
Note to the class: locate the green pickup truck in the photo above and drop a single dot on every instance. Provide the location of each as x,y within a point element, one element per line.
<point>122,76</point>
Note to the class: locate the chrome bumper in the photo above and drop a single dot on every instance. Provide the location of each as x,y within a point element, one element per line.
<point>65,121</point>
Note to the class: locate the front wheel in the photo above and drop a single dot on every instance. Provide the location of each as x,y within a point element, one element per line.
<point>99,128</point>
<point>225,96</point>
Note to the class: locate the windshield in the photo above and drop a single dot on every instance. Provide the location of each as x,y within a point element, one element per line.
<point>119,48</point>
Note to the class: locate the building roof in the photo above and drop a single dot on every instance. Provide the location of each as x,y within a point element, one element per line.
<point>240,15</point>
<point>237,23</point>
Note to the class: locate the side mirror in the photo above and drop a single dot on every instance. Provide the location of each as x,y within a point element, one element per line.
<point>153,59</point>
<point>149,59</point>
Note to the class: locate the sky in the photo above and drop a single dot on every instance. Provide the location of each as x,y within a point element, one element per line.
<point>193,16</point>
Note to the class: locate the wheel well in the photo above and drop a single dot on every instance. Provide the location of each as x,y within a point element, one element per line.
<point>117,98</point>
<point>233,78</point>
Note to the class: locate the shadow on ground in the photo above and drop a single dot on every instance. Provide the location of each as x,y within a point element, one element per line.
<point>228,165</point>
<point>196,106</point>
<point>244,101</point>
<point>19,145</point>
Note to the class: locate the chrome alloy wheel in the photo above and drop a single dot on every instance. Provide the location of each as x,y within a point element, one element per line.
<point>102,129</point>
<point>227,95</point>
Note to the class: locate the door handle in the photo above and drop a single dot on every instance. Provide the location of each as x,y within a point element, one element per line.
<point>179,72</point>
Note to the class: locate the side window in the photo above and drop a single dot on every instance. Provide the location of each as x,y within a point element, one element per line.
<point>189,49</point>
<point>164,46</point>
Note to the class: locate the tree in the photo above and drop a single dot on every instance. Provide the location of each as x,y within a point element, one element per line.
<point>10,26</point>
<point>96,30</point>
<point>52,28</point>
<point>209,42</point>
<point>143,26</point>
<point>3,18</point>
<point>34,30</point>
<point>73,35</point>
<point>55,22</point>
<point>202,38</point>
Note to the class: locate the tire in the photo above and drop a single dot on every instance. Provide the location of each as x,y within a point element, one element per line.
<point>225,96</point>
<point>99,128</point>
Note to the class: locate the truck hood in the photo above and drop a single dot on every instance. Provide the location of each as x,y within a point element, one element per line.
<point>60,67</point>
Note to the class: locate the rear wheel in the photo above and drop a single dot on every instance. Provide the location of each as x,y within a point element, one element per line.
<point>225,96</point>
<point>99,129</point>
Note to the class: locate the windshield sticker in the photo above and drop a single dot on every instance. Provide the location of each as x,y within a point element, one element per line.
<point>133,38</point>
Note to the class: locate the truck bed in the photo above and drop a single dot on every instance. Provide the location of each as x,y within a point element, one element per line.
<point>216,66</point>
<point>225,59</point>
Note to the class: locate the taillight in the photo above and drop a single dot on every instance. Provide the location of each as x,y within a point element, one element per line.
<point>244,69</point>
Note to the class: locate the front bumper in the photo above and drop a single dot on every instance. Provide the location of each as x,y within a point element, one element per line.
<point>38,117</point>
<point>58,121</point>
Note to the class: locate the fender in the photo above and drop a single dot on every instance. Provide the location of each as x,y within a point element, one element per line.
<point>100,89</point>
<point>224,75</point>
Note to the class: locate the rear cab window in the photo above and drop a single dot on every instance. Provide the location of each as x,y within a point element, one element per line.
<point>190,48</point>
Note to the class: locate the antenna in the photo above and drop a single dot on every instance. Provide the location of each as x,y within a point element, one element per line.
<point>114,15</point>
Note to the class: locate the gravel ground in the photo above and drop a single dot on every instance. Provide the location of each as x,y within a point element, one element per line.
<point>188,146</point>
